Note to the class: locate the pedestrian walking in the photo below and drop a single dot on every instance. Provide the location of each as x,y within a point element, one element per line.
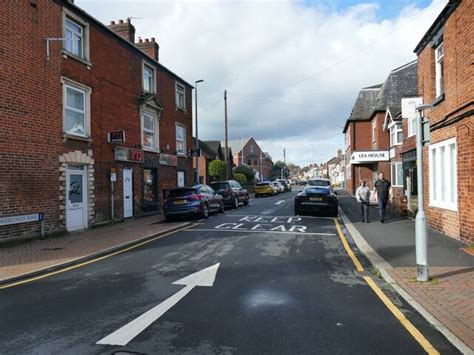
<point>363,197</point>
<point>383,190</point>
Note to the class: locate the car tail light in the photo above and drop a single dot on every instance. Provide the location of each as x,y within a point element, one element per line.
<point>195,197</point>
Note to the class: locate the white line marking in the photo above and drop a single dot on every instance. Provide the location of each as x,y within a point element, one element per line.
<point>253,231</point>
<point>310,217</point>
<point>125,334</point>
<point>280,202</point>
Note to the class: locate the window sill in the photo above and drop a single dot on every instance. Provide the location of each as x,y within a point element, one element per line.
<point>181,155</point>
<point>67,136</point>
<point>151,150</point>
<point>67,55</point>
<point>442,206</point>
<point>181,109</point>
<point>438,100</point>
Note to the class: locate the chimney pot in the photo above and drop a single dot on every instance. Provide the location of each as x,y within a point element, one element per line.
<point>147,40</point>
<point>120,21</point>
<point>112,22</point>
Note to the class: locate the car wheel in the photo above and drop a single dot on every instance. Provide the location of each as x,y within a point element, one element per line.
<point>257,196</point>
<point>247,201</point>
<point>205,211</point>
<point>297,211</point>
<point>236,202</point>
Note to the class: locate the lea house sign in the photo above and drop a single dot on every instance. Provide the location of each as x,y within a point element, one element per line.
<point>369,156</point>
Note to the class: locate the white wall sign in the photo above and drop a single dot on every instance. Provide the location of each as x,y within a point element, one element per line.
<point>369,156</point>
<point>409,106</point>
<point>5,221</point>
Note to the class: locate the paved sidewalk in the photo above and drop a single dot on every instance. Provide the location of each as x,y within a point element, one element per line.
<point>40,256</point>
<point>449,297</point>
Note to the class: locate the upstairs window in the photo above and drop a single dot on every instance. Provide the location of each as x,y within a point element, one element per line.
<point>74,38</point>
<point>439,69</point>
<point>76,100</point>
<point>252,148</point>
<point>443,174</point>
<point>180,103</point>
<point>374,131</point>
<point>396,134</point>
<point>150,131</point>
<point>148,78</point>
<point>412,126</point>
<point>180,140</point>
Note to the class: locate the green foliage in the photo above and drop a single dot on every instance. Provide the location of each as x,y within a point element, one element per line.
<point>217,168</point>
<point>245,170</point>
<point>240,178</point>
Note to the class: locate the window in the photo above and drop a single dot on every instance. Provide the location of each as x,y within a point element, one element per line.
<point>180,103</point>
<point>252,148</point>
<point>148,78</point>
<point>443,174</point>
<point>150,133</point>
<point>180,140</point>
<point>396,134</point>
<point>374,131</point>
<point>439,69</point>
<point>412,126</point>
<point>76,109</point>
<point>74,38</point>
<point>149,185</point>
<point>396,172</point>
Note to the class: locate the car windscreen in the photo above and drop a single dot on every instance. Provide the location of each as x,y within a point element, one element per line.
<point>263,184</point>
<point>220,186</point>
<point>317,190</point>
<point>181,192</point>
<point>319,183</point>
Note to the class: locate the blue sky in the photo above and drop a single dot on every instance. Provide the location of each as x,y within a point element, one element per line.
<point>387,9</point>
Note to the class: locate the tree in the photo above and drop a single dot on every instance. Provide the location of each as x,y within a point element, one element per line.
<point>217,169</point>
<point>241,178</point>
<point>248,172</point>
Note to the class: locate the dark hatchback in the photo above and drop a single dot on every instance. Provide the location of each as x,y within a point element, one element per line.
<point>232,192</point>
<point>199,200</point>
<point>316,200</point>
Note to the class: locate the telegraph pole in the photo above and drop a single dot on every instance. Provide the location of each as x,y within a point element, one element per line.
<point>226,158</point>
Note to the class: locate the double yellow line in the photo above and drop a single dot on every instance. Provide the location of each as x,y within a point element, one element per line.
<point>415,333</point>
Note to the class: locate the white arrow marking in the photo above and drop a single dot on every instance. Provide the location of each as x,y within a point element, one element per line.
<point>129,331</point>
<point>280,202</point>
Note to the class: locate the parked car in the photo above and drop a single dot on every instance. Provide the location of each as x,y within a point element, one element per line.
<point>286,184</point>
<point>264,189</point>
<point>278,187</point>
<point>199,200</point>
<point>320,182</point>
<point>232,192</point>
<point>316,200</point>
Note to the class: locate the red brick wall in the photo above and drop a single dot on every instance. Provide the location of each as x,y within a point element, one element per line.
<point>30,133</point>
<point>459,92</point>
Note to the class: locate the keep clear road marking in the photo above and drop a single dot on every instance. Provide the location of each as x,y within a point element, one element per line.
<point>280,202</point>
<point>122,336</point>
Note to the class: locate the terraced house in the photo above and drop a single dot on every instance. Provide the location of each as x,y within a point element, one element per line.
<point>446,82</point>
<point>93,127</point>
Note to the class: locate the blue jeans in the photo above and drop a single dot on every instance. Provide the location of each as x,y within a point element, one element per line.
<point>364,211</point>
<point>382,208</point>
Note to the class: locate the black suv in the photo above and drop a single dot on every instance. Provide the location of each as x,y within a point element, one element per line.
<point>232,192</point>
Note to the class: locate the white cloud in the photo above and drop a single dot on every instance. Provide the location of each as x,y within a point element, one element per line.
<point>292,71</point>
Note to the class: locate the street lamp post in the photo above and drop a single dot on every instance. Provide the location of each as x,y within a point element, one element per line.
<point>420,220</point>
<point>196,179</point>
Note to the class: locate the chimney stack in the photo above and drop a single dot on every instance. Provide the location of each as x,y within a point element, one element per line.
<point>124,29</point>
<point>339,153</point>
<point>149,46</point>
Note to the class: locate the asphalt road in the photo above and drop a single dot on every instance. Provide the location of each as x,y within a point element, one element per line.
<point>285,285</point>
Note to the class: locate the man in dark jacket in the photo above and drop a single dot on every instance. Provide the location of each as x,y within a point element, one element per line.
<point>382,187</point>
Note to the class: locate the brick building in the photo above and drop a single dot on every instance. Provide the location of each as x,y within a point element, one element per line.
<point>374,135</point>
<point>446,81</point>
<point>248,152</point>
<point>66,82</point>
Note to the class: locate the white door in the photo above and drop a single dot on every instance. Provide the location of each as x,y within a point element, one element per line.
<point>180,178</point>
<point>76,209</point>
<point>127,193</point>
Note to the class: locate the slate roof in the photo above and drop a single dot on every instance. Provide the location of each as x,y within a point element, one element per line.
<point>401,82</point>
<point>214,148</point>
<point>364,105</point>
<point>236,145</point>
<point>205,149</point>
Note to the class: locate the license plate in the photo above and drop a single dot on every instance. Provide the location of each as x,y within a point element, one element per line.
<point>315,198</point>
<point>180,202</point>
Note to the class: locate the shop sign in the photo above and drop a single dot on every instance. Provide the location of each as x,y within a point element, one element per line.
<point>116,137</point>
<point>167,159</point>
<point>128,154</point>
<point>369,156</point>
